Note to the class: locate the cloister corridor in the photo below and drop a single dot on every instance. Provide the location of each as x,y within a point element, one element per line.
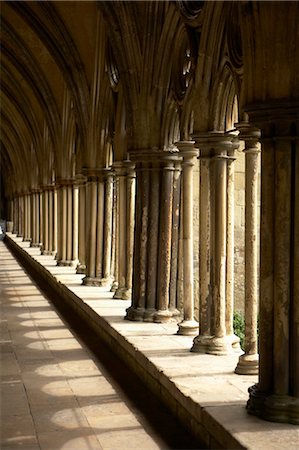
<point>149,194</point>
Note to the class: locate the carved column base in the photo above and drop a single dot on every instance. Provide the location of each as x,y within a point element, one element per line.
<point>81,269</point>
<point>92,281</point>
<point>66,263</point>
<point>235,342</point>
<point>106,281</point>
<point>163,316</point>
<point>188,328</point>
<point>248,365</point>
<point>123,294</point>
<point>48,252</point>
<point>200,344</point>
<point>114,286</point>
<point>35,245</point>
<point>19,235</point>
<point>26,239</point>
<point>149,315</point>
<point>135,314</point>
<point>275,408</point>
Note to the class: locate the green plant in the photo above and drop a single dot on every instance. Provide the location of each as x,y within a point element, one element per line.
<point>239,327</point>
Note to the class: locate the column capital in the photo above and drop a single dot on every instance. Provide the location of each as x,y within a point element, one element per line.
<point>60,182</point>
<point>250,134</point>
<point>125,168</point>
<point>80,179</point>
<point>96,173</point>
<point>187,150</point>
<point>154,155</point>
<point>271,112</point>
<point>213,142</point>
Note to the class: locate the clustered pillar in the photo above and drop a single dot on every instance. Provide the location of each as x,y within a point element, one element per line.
<point>99,206</point>
<point>125,208</point>
<point>216,255</point>
<point>276,396</point>
<point>153,244</point>
<point>67,252</point>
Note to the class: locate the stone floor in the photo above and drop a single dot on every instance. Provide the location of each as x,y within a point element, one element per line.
<point>202,390</point>
<point>59,393</point>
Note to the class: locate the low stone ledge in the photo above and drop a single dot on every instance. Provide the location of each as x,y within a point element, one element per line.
<point>216,417</point>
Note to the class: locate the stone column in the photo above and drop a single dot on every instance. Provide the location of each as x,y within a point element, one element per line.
<point>230,244</point>
<point>213,336</point>
<point>81,183</point>
<point>20,232</point>
<point>15,214</point>
<point>137,309</point>
<point>95,189</point>
<point>46,221</point>
<point>175,255</point>
<point>165,228</point>
<point>276,396</point>
<point>41,218</point>
<point>115,219</point>
<point>201,341</point>
<point>125,179</point>
<point>52,195</point>
<point>248,362</point>
<point>27,217</point>
<point>35,218</point>
<point>91,223</point>
<point>107,232</point>
<point>68,224</point>
<point>152,239</point>
<point>153,243</point>
<point>188,326</point>
<point>75,230</point>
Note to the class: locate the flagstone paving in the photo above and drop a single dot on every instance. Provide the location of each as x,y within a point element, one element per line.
<point>55,392</point>
<point>201,390</point>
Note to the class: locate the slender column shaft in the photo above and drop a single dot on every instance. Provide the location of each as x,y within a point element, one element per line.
<point>121,230</point>
<point>266,270</point>
<point>220,244</point>
<point>82,224</point>
<point>91,209</point>
<point>64,213</point>
<point>130,227</point>
<point>108,227</point>
<point>248,363</point>
<point>55,220</point>
<point>100,230</point>
<point>175,240</point>
<point>70,220</point>
<point>15,215</point>
<point>41,218</point>
<point>188,326</point>
<point>136,311</point>
<point>229,310</point>
<point>205,239</point>
<point>75,224</point>
<point>282,269</point>
<point>153,227</point>
<point>115,284</point>
<point>165,226</point>
<point>294,308</point>
<point>46,247</point>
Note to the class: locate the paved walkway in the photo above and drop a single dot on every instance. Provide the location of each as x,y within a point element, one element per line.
<point>201,390</point>
<point>56,393</point>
